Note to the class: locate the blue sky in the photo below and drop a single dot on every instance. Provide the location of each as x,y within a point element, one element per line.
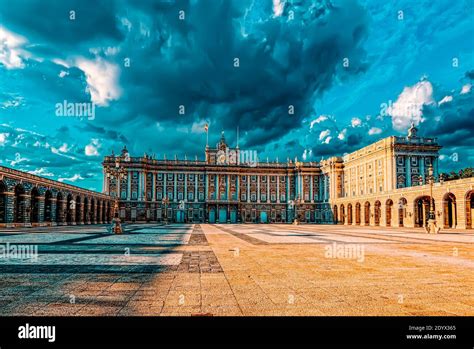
<point>299,78</point>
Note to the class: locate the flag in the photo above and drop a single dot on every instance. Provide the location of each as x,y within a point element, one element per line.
<point>206,127</point>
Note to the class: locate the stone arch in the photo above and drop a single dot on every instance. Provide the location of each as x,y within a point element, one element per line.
<point>377,212</point>
<point>60,209</point>
<point>402,211</point>
<point>3,202</point>
<point>449,211</point>
<point>98,215</point>
<point>70,209</point>
<point>86,210</point>
<point>421,210</point>
<point>35,213</point>
<point>342,214</point>
<point>357,213</point>
<point>367,213</point>
<point>469,209</point>
<point>21,208</point>
<point>48,206</point>
<point>92,216</point>
<point>349,214</point>
<point>78,209</point>
<point>388,212</point>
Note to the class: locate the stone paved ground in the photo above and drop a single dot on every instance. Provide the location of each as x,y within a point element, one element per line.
<point>238,270</point>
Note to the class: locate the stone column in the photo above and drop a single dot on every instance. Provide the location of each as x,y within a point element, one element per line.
<point>61,218</point>
<point>9,208</point>
<point>100,218</point>
<point>383,215</point>
<point>87,210</point>
<point>93,213</point>
<point>25,209</point>
<point>53,211</point>
<point>80,207</point>
<point>41,200</point>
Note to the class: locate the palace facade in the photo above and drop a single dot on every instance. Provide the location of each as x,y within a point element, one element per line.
<point>385,184</point>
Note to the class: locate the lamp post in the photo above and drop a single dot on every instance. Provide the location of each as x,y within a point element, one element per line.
<point>116,172</point>
<point>432,227</point>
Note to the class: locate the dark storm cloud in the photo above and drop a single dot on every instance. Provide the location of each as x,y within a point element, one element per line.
<point>49,26</point>
<point>282,63</point>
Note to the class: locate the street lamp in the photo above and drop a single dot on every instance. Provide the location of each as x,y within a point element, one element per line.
<point>118,173</point>
<point>431,228</point>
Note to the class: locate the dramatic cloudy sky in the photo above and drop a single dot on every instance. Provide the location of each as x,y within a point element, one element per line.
<point>299,78</point>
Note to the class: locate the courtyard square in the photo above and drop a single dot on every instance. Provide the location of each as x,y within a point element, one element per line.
<point>237,269</point>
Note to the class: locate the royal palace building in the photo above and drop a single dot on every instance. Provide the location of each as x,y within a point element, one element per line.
<point>385,183</point>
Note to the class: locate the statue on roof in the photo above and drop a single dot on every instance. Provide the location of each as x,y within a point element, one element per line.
<point>412,131</point>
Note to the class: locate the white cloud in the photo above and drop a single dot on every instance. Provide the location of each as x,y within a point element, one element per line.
<point>446,99</point>
<point>324,134</point>
<point>342,135</point>
<point>3,138</point>
<point>92,149</point>
<point>318,120</point>
<point>327,140</point>
<point>64,148</point>
<point>74,178</point>
<point>12,103</point>
<point>41,172</point>
<point>278,7</point>
<point>375,131</point>
<point>409,104</point>
<point>102,80</point>
<point>466,89</point>
<point>356,122</point>
<point>12,55</point>
<point>63,73</point>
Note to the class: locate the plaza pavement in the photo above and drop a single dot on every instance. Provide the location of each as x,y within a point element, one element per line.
<point>238,270</point>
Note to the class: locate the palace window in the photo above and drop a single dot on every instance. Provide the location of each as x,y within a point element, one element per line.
<point>170,196</point>
<point>190,196</point>
<point>264,179</point>
<point>134,195</point>
<point>180,177</point>
<point>124,194</point>
<point>400,161</point>
<point>170,176</point>
<point>253,197</point>
<point>282,179</point>
<point>244,178</point>
<point>306,197</point>
<point>254,178</point>
<point>160,176</point>
<point>282,197</point>
<point>273,179</point>
<point>201,178</point>
<point>273,197</point>
<point>243,197</point>
<point>414,161</point>
<point>191,177</point>
<point>201,196</point>
<point>263,197</point>
<point>159,195</point>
